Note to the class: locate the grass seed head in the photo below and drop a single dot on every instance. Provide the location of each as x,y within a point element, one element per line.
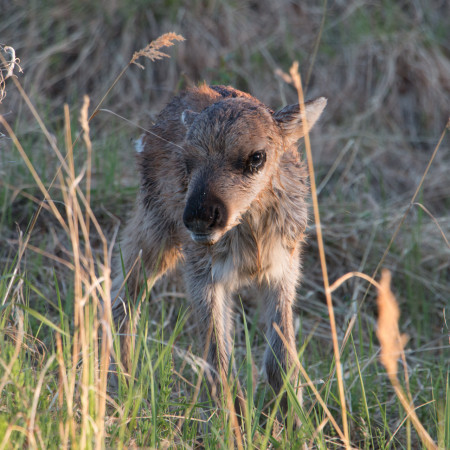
<point>392,343</point>
<point>152,50</point>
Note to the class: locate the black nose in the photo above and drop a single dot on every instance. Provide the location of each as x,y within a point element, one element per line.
<point>204,212</point>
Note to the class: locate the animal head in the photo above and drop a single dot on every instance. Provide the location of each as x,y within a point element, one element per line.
<point>233,149</point>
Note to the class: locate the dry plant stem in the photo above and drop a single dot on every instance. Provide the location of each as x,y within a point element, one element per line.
<point>298,85</point>
<point>16,269</point>
<point>104,362</point>
<point>392,347</point>
<point>423,434</point>
<point>349,275</point>
<point>83,300</point>
<point>294,357</point>
<point>48,255</point>
<point>101,379</point>
<point>85,126</point>
<point>75,340</point>
<point>79,341</point>
<point>36,395</point>
<point>19,190</point>
<point>316,44</point>
<point>316,433</point>
<point>8,432</point>
<point>64,387</point>
<point>87,285</point>
<point>100,103</point>
<point>434,220</point>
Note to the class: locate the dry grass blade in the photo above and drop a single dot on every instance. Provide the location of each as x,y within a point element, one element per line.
<point>295,75</point>
<point>392,344</point>
<point>22,248</point>
<point>294,357</point>
<point>435,221</point>
<point>152,50</point>
<point>349,275</point>
<point>64,393</point>
<point>36,396</point>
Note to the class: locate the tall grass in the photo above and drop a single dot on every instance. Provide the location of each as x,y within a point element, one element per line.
<point>56,334</point>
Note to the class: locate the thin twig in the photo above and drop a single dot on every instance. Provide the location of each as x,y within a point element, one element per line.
<point>434,220</point>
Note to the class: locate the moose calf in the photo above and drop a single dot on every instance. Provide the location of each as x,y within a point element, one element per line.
<point>223,190</point>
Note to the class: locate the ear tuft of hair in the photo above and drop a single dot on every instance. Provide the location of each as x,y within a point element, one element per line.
<point>139,144</point>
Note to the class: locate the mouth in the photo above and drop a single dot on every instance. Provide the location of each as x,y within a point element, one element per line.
<point>203,238</point>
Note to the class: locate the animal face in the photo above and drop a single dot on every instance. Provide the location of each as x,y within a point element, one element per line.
<point>233,149</point>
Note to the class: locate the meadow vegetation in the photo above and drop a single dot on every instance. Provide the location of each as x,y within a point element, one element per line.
<point>68,181</point>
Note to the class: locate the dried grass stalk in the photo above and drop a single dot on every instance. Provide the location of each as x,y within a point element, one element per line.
<point>310,383</point>
<point>152,50</point>
<point>296,79</point>
<point>392,345</point>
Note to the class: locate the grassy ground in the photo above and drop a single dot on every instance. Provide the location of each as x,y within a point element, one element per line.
<point>385,68</point>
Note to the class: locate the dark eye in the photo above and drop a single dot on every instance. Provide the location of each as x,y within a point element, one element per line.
<point>256,161</point>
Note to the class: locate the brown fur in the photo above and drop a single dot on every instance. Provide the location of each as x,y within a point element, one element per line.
<point>246,212</point>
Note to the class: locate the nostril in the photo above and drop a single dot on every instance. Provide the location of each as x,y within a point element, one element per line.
<point>215,216</point>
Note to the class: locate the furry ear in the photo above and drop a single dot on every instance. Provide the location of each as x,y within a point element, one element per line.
<point>292,122</point>
<point>188,117</point>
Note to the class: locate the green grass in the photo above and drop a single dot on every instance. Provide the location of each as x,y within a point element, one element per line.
<point>146,410</point>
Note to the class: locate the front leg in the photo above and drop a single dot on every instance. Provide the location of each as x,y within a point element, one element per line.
<point>211,298</point>
<point>279,297</point>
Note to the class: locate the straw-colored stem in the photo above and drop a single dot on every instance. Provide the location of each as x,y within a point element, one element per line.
<point>305,375</point>
<point>423,434</point>
<point>298,85</point>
